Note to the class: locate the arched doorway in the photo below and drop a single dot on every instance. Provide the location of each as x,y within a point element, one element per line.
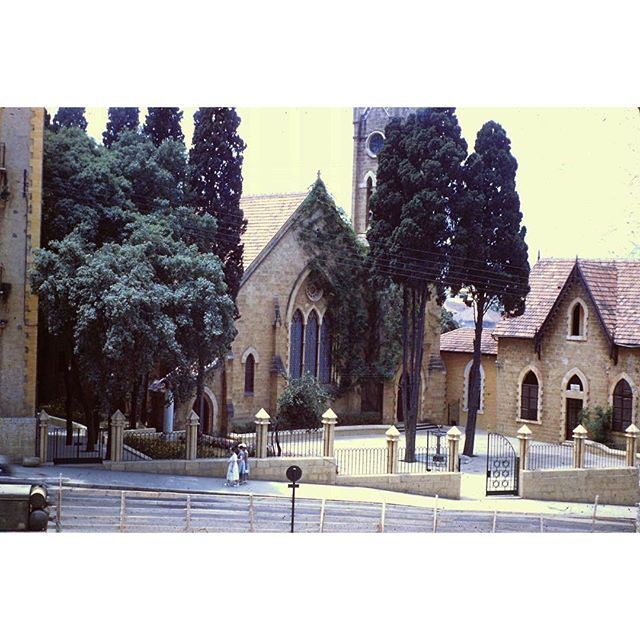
<point>574,397</point>
<point>210,410</point>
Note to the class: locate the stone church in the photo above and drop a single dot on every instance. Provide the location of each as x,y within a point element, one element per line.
<point>21,149</point>
<point>282,328</point>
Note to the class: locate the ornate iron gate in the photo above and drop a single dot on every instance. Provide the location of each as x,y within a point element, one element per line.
<point>502,466</point>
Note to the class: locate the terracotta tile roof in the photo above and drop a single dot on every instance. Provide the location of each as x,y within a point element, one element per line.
<point>461,340</point>
<point>612,285</point>
<point>265,216</point>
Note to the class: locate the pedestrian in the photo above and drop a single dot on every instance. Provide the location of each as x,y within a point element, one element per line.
<point>243,464</point>
<point>233,476</point>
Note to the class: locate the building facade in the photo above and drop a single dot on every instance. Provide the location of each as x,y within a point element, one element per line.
<point>21,150</point>
<point>576,347</point>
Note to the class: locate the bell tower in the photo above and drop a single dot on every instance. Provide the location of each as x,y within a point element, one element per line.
<point>368,139</point>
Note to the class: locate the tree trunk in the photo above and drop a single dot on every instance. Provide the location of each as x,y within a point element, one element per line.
<point>224,414</point>
<point>145,397</point>
<point>200,395</point>
<point>87,407</point>
<point>473,393</point>
<point>68,402</point>
<point>133,414</point>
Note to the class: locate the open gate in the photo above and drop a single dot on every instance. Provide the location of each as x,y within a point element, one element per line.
<point>502,466</point>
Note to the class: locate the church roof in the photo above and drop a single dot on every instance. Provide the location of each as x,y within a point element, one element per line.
<point>266,214</point>
<point>609,284</point>
<point>461,340</point>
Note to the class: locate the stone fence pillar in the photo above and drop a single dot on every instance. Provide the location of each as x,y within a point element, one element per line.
<point>329,420</point>
<point>393,435</point>
<point>453,440</point>
<point>191,434</point>
<point>118,421</point>
<point>579,436</point>
<point>263,420</point>
<point>524,435</point>
<point>43,434</point>
<point>631,433</point>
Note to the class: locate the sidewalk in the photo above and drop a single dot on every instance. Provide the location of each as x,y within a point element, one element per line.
<point>91,475</point>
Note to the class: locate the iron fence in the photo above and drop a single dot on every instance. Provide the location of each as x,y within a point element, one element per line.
<point>61,449</point>
<point>549,456</point>
<point>295,442</point>
<point>365,461</point>
<point>426,459</point>
<point>153,446</point>
<point>598,457</point>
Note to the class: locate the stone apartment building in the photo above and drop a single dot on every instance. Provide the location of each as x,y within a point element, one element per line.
<point>21,149</point>
<point>577,346</point>
<point>282,325</point>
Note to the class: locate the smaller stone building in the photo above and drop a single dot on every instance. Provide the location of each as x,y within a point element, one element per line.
<point>577,346</point>
<point>456,351</point>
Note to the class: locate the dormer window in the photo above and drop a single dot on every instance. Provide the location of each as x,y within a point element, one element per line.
<point>577,321</point>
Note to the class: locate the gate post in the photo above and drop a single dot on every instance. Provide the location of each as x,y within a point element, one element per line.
<point>393,435</point>
<point>262,430</point>
<point>191,433</point>
<point>43,435</point>
<point>453,439</point>
<point>579,436</point>
<point>524,435</point>
<point>631,433</point>
<point>117,436</point>
<point>329,420</point>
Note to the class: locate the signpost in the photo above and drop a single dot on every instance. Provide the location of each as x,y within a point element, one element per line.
<point>294,473</point>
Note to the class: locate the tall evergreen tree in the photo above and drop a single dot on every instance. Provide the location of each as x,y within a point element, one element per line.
<point>69,117</point>
<point>412,225</point>
<point>119,119</point>
<point>163,123</point>
<point>215,187</point>
<point>490,247</point>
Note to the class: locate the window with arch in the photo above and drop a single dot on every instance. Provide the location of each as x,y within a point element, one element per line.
<point>324,364</point>
<point>296,343</point>
<point>577,321</point>
<point>622,406</point>
<point>529,397</point>
<point>575,384</point>
<point>467,374</point>
<point>249,373</point>
<point>367,203</point>
<point>311,344</point>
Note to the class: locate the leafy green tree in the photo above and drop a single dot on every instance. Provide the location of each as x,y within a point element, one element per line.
<point>301,404</point>
<point>490,249</point>
<point>447,321</point>
<point>215,184</point>
<point>119,119</point>
<point>163,123</point>
<point>69,117</point>
<point>413,217</point>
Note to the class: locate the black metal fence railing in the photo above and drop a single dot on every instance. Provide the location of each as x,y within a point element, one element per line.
<point>596,457</point>
<point>549,456</point>
<point>153,446</point>
<point>249,439</point>
<point>432,458</point>
<point>363,461</point>
<point>295,442</point>
<point>62,450</point>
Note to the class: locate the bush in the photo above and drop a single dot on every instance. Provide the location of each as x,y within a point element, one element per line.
<point>597,424</point>
<point>302,404</point>
<point>364,417</point>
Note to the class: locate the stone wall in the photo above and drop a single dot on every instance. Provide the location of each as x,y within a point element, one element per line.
<point>559,356</point>
<point>612,486</point>
<point>444,485</point>
<point>17,437</point>
<point>314,470</point>
<point>456,363</point>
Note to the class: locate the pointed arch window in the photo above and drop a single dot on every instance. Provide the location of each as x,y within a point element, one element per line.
<point>249,373</point>
<point>324,365</point>
<point>622,406</point>
<point>575,384</point>
<point>311,345</point>
<point>529,397</point>
<point>367,204</point>
<point>577,321</point>
<point>295,348</point>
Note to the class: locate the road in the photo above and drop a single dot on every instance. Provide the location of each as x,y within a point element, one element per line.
<point>102,510</point>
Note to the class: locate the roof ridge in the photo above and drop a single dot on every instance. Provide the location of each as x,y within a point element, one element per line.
<point>275,195</point>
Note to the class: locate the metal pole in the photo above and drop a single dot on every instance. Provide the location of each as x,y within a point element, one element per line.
<point>322,516</point>
<point>595,508</point>
<point>251,513</point>
<point>122,510</point>
<point>59,505</point>
<point>293,504</point>
<point>382,514</point>
<point>188,514</point>
<point>495,516</point>
<point>435,515</point>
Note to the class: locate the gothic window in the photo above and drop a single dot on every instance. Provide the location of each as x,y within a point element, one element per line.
<point>249,373</point>
<point>367,205</point>
<point>311,345</point>
<point>324,368</point>
<point>577,321</point>
<point>529,397</point>
<point>622,405</point>
<point>295,350</point>
<point>575,384</point>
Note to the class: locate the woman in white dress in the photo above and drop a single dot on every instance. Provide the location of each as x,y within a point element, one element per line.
<point>233,475</point>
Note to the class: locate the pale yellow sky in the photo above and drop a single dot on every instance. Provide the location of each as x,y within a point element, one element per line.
<point>578,175</point>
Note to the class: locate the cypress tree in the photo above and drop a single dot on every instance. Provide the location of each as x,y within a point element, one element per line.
<point>162,123</point>
<point>215,184</point>
<point>69,117</point>
<point>491,251</point>
<point>120,118</point>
